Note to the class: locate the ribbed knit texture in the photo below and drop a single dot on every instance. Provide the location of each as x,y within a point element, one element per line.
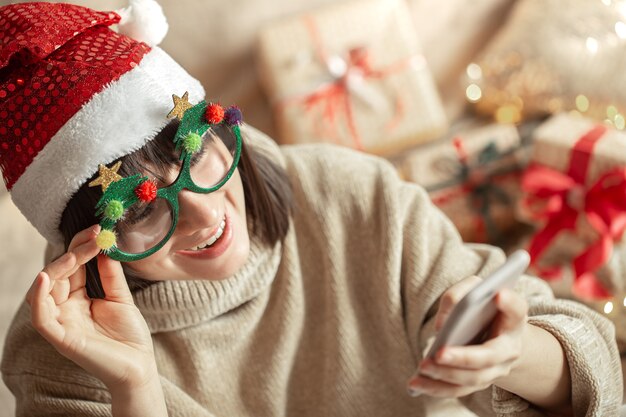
<point>172,305</point>
<point>331,322</point>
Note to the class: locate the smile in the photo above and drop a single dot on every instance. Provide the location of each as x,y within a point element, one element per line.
<point>212,239</point>
<point>214,246</point>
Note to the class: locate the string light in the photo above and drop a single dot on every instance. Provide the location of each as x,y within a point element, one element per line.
<point>592,45</point>
<point>620,29</point>
<point>474,71</point>
<point>611,112</point>
<point>508,114</point>
<point>473,93</point>
<point>608,307</point>
<point>582,103</point>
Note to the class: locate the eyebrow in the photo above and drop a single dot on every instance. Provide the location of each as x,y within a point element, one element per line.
<point>135,215</point>
<point>194,160</point>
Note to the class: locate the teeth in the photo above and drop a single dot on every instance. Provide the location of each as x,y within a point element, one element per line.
<point>213,238</point>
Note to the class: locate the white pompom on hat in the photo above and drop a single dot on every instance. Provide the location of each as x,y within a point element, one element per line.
<point>143,20</point>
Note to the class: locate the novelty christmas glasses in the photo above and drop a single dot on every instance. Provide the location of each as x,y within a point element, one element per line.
<point>137,218</point>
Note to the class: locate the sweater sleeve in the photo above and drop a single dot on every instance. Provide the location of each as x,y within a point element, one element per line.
<point>46,384</point>
<point>434,258</point>
<point>39,396</point>
<point>43,382</point>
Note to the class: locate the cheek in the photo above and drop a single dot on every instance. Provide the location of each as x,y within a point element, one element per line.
<point>151,268</point>
<point>235,194</point>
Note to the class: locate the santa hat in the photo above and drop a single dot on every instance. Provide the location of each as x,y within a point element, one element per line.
<point>75,94</point>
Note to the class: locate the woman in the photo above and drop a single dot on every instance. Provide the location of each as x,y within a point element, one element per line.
<point>303,280</point>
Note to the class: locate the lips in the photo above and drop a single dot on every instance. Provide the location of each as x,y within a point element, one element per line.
<point>211,240</point>
<point>215,250</point>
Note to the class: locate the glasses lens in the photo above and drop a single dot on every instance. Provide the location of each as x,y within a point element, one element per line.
<point>144,226</point>
<point>210,166</point>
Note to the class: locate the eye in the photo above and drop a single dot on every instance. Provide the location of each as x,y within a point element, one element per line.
<point>139,214</point>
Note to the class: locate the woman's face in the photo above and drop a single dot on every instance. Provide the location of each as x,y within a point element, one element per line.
<point>218,217</point>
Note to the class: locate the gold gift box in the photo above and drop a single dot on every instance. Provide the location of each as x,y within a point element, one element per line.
<point>353,74</point>
<point>551,57</point>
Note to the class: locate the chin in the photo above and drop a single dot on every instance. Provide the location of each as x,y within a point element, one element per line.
<point>235,260</point>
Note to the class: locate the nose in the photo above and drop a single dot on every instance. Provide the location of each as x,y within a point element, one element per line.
<point>198,211</point>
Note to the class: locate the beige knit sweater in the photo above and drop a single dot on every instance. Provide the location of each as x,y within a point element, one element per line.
<point>330,323</point>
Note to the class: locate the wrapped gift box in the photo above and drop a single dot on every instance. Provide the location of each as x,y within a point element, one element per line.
<point>353,74</point>
<point>610,275</point>
<point>554,140</point>
<point>473,178</point>
<point>575,192</point>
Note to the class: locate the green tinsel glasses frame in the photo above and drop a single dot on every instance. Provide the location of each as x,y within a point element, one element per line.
<point>123,190</point>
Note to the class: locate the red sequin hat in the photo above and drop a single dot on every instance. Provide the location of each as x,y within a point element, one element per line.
<point>75,94</point>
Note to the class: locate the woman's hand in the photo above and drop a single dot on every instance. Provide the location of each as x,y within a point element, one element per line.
<point>462,370</point>
<point>107,337</point>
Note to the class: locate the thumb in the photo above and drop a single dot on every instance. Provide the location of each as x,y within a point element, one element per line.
<point>113,280</point>
<point>451,298</point>
<point>513,311</point>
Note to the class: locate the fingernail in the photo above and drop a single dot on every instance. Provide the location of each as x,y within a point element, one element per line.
<point>426,369</point>
<point>446,357</point>
<point>413,392</point>
<point>96,229</point>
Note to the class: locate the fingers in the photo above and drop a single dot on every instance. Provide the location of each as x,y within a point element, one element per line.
<point>452,296</point>
<point>513,311</point>
<point>435,388</point>
<point>67,272</point>
<point>494,351</point>
<point>84,253</point>
<point>62,267</point>
<point>43,315</point>
<point>458,371</point>
<point>466,377</point>
<point>84,236</point>
<point>113,280</point>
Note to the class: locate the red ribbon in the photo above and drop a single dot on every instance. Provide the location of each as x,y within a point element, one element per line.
<point>563,197</point>
<point>335,96</point>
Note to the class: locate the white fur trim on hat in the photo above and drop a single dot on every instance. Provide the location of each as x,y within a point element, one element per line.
<point>120,119</point>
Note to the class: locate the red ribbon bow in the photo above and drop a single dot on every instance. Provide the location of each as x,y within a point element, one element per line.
<point>335,96</point>
<point>564,197</point>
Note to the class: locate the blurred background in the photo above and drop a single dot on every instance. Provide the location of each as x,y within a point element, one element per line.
<point>486,103</point>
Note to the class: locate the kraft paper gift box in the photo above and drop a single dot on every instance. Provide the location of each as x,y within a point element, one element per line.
<point>352,74</point>
<point>610,275</point>
<point>473,178</point>
<point>575,192</point>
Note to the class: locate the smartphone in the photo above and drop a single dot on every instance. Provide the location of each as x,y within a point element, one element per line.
<point>469,320</point>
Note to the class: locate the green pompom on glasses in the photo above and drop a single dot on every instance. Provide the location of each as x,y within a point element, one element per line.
<point>137,218</point>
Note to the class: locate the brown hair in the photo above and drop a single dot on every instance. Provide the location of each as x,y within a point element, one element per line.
<point>268,196</point>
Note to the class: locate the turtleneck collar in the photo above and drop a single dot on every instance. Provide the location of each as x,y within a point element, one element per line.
<point>175,304</point>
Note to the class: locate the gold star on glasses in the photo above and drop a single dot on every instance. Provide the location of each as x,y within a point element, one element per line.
<point>107,176</point>
<point>181,105</point>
